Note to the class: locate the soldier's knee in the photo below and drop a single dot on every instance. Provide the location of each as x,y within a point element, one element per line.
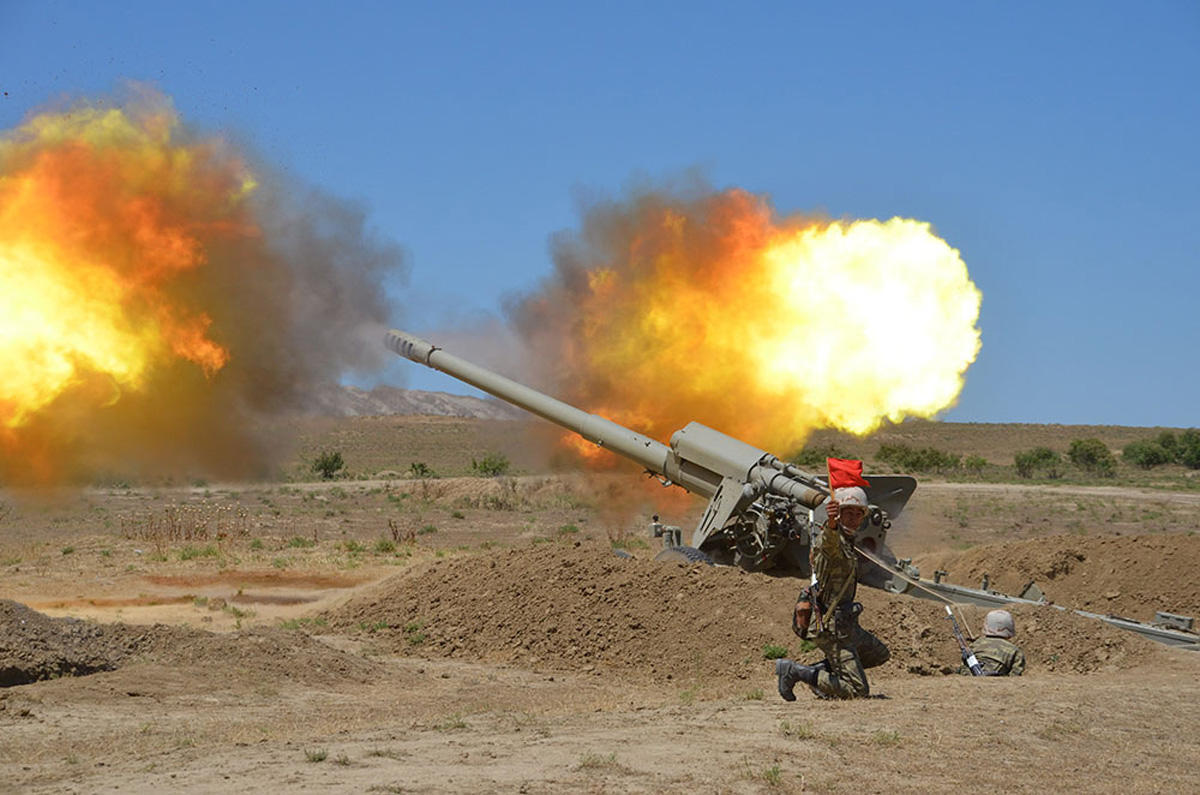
<point>843,686</point>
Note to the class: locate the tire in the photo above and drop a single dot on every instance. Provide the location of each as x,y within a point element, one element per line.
<point>684,555</point>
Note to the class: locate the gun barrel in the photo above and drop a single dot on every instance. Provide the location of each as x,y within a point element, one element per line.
<point>651,454</point>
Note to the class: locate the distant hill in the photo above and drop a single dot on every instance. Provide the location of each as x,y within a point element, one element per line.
<point>339,400</point>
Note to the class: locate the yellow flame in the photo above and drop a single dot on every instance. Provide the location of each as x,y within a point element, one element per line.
<point>102,212</point>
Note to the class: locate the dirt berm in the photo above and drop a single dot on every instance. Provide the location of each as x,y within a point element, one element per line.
<point>577,606</point>
<point>1132,576</point>
<point>35,647</point>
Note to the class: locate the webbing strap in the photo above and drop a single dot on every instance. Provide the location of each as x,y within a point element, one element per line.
<point>911,581</point>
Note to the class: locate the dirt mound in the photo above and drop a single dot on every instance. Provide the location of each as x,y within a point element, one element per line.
<point>34,647</point>
<point>1131,576</point>
<point>577,606</point>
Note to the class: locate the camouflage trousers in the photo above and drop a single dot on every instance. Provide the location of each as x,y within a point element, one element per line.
<point>848,654</point>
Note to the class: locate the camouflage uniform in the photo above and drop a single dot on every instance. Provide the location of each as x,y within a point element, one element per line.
<point>849,649</point>
<point>998,657</point>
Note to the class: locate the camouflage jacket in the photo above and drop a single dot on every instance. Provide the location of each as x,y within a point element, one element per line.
<point>835,564</point>
<point>998,656</point>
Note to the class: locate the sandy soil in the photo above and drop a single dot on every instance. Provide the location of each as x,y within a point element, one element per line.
<point>510,650</point>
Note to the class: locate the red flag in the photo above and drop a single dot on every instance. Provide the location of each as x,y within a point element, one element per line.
<point>844,472</point>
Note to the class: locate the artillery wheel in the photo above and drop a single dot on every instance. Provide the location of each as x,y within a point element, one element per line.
<point>684,555</point>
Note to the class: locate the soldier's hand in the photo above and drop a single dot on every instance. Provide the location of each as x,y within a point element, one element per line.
<point>833,511</point>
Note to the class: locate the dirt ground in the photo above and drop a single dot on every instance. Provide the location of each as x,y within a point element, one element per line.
<point>466,634</point>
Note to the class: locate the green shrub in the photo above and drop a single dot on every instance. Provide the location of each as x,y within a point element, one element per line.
<point>773,651</point>
<point>1146,454</point>
<point>909,459</point>
<point>328,463</point>
<point>975,464</point>
<point>190,553</point>
<point>1092,456</point>
<point>1043,458</point>
<point>1187,450</point>
<point>420,470</point>
<point>491,465</point>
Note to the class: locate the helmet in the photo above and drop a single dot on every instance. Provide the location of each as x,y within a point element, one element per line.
<point>999,624</point>
<point>850,495</point>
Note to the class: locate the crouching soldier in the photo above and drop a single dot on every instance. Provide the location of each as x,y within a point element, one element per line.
<point>849,649</point>
<point>996,653</point>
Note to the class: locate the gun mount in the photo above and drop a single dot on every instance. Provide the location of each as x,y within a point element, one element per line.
<point>762,511</point>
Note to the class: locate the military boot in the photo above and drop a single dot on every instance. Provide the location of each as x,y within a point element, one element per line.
<point>790,674</point>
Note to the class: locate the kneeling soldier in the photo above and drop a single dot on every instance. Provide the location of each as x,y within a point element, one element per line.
<point>849,649</point>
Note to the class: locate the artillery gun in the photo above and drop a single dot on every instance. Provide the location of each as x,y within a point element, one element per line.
<point>762,512</point>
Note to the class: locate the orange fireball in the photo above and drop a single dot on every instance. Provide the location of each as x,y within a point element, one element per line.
<point>103,216</point>
<point>709,308</point>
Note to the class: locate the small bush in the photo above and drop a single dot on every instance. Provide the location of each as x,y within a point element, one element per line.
<point>420,471</point>
<point>773,652</point>
<point>1043,458</point>
<point>909,459</point>
<point>190,552</point>
<point>1187,449</point>
<point>975,464</point>
<point>1092,456</point>
<point>327,464</point>
<point>1146,454</point>
<point>491,465</point>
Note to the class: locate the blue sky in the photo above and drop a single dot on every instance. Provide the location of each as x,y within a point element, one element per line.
<point>1053,144</point>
